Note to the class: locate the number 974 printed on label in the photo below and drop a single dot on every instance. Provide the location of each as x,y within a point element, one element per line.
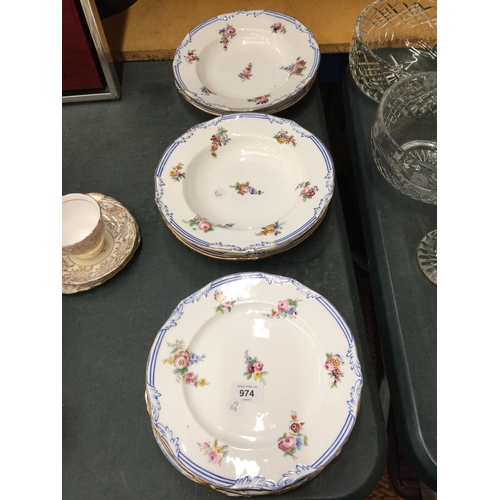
<point>250,393</point>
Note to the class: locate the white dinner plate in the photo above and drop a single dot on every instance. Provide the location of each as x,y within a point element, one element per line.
<point>246,61</point>
<point>251,256</point>
<point>253,383</point>
<point>272,110</point>
<point>245,183</point>
<point>230,492</point>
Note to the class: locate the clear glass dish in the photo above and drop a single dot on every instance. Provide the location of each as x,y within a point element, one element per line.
<point>392,40</point>
<point>404,136</point>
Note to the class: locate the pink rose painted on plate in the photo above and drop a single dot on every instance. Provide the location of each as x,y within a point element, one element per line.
<point>223,303</point>
<point>181,358</point>
<point>295,68</point>
<point>176,173</point>
<point>286,308</point>
<point>332,366</point>
<point>283,306</point>
<point>214,453</point>
<point>278,28</point>
<point>204,225</point>
<point>244,188</point>
<point>287,443</point>
<point>201,224</point>
<point>227,34</point>
<point>307,191</point>
<point>254,368</point>
<point>292,440</point>
<point>181,362</point>
<point>261,99</point>
<point>191,56</point>
<point>246,73</point>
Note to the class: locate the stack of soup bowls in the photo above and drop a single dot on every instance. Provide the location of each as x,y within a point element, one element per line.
<point>244,61</point>
<point>244,186</point>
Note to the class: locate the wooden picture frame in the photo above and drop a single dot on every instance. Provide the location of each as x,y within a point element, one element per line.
<point>88,72</point>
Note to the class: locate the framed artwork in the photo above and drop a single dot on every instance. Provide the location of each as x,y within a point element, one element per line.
<point>88,71</point>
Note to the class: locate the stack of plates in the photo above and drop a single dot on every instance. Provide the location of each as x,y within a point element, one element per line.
<point>253,384</point>
<point>246,61</point>
<point>244,186</point>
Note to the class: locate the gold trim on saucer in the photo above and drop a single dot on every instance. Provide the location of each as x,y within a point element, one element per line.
<point>123,228</point>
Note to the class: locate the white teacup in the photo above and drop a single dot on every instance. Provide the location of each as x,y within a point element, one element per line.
<point>82,226</point>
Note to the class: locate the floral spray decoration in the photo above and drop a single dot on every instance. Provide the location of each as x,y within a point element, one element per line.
<point>332,366</point>
<point>255,368</point>
<point>292,440</point>
<point>182,359</point>
<point>214,453</point>
<point>223,303</point>
<point>286,308</point>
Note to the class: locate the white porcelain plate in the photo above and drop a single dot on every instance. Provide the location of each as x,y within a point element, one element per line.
<point>244,183</point>
<point>253,383</point>
<point>275,109</point>
<point>246,60</point>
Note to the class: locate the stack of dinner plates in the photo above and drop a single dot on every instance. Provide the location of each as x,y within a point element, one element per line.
<point>253,384</point>
<point>244,186</point>
<point>246,61</point>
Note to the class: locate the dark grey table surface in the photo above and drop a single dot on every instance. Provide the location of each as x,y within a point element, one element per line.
<point>108,449</point>
<point>405,300</point>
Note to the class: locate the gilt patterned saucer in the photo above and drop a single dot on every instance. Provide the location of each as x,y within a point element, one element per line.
<point>122,237</point>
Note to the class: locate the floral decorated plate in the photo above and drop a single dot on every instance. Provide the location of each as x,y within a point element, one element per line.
<point>246,61</point>
<point>273,110</point>
<point>121,239</point>
<point>227,491</point>
<point>254,255</point>
<point>245,184</point>
<point>253,384</point>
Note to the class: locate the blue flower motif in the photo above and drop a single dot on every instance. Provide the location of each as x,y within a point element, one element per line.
<point>195,358</point>
<point>298,443</point>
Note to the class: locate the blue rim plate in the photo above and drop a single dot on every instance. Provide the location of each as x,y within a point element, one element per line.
<point>253,384</point>
<point>244,183</point>
<point>246,61</point>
